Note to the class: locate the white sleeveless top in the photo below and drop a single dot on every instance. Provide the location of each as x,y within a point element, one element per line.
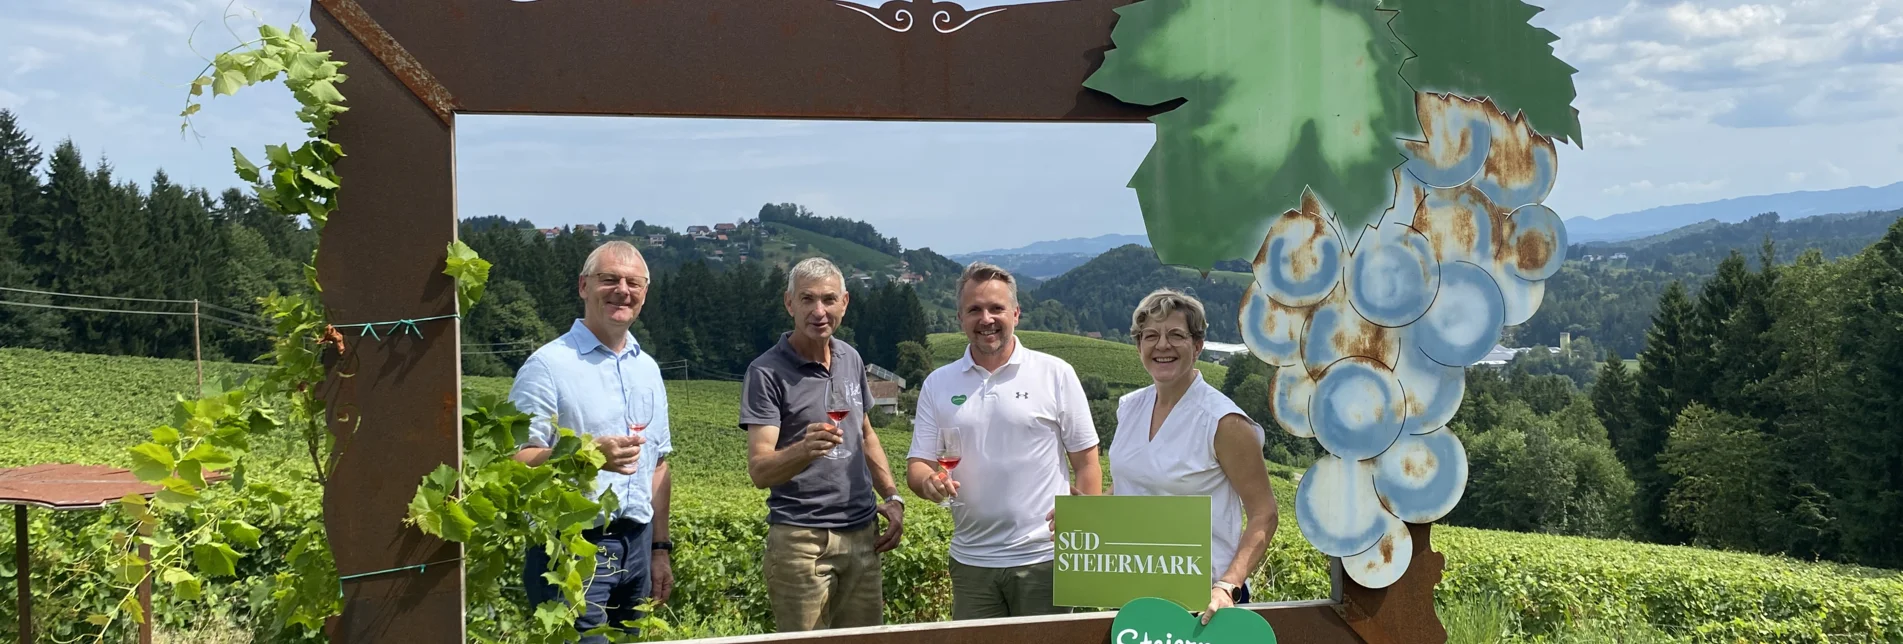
<point>1181,460</point>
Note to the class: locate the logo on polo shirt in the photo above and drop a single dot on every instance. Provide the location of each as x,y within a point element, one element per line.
<point>958,399</point>
<point>1023,395</point>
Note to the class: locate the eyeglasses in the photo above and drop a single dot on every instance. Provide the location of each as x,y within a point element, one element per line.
<point>611,280</point>
<point>1164,339</point>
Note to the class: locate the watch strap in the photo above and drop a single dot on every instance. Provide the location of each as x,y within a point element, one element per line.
<point>664,545</point>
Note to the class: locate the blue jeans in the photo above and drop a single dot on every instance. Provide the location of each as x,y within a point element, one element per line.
<point>622,577</point>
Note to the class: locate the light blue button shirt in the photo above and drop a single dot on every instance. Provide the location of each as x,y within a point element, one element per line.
<point>597,392</point>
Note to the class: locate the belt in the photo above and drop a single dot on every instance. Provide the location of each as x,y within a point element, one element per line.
<point>619,527</point>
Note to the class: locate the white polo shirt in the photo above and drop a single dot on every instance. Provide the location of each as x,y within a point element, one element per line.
<point>1019,426</point>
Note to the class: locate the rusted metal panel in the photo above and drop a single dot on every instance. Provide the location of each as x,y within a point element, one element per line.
<point>393,402</point>
<point>1403,612</point>
<point>62,486</point>
<point>764,58</point>
<point>394,57</point>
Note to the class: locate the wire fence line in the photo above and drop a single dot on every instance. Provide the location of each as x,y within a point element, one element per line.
<point>118,298</point>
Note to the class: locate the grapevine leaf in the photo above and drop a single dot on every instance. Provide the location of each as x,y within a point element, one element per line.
<point>97,619</point>
<point>193,473</point>
<point>151,461</point>
<point>1488,48</point>
<point>318,179</point>
<point>215,559</point>
<point>193,108</point>
<point>175,492</point>
<point>442,479</point>
<point>457,525</point>
<point>480,508</point>
<point>130,570</point>
<point>210,456</point>
<point>1279,98</point>
<point>189,589</point>
<point>240,532</point>
<point>325,91</point>
<point>133,506</point>
<point>471,272</point>
<point>280,156</point>
<point>228,82</point>
<point>130,606</point>
<point>165,435</point>
<point>423,511</point>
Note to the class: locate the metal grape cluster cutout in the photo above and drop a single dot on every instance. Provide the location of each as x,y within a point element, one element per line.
<point>1415,142</point>
<point>1372,340</point>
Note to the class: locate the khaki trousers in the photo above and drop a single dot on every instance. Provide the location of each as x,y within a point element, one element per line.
<point>819,579</point>
<point>982,593</point>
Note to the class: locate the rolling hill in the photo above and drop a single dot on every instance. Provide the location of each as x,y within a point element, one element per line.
<point>1791,205</point>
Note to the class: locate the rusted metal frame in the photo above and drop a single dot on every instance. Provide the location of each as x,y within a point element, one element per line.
<point>393,56</point>
<point>393,404</point>
<point>1374,616</point>
<point>145,594</point>
<point>23,577</point>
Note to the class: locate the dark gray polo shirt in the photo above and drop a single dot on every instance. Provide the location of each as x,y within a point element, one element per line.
<point>786,390</point>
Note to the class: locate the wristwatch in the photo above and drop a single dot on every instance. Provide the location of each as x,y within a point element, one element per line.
<point>896,499</point>
<point>1227,588</point>
<point>664,545</point>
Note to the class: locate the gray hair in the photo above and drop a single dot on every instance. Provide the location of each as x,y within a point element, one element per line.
<point>812,268</point>
<point>982,272</point>
<point>1160,303</point>
<point>616,249</point>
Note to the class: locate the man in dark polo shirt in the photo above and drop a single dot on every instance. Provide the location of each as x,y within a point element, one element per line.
<point>823,544</point>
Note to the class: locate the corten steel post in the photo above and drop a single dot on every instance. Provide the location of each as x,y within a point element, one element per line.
<point>414,65</point>
<point>23,575</point>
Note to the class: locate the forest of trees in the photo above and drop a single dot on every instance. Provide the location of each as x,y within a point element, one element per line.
<point>75,228</point>
<point>1101,293</point>
<point>854,231</point>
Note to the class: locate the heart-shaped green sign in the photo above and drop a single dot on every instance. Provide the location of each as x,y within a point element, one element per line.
<point>1150,620</point>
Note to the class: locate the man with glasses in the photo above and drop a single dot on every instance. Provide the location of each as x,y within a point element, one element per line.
<point>597,381</point>
<point>823,545</point>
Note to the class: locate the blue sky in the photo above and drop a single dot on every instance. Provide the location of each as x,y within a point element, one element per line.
<point>1682,102</point>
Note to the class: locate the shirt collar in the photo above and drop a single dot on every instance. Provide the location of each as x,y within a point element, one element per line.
<point>1017,355</point>
<point>786,345</point>
<point>585,341</point>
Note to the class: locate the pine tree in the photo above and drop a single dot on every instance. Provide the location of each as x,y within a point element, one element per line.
<point>1613,396</point>
<point>1808,385</point>
<point>1659,398</point>
<point>19,173</point>
<point>44,231</point>
<point>1746,354</point>
<point>1869,452</point>
<point>1701,370</point>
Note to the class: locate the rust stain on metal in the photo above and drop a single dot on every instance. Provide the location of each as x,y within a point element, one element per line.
<point>1511,161</point>
<point>1533,252</point>
<point>394,57</point>
<point>63,486</point>
<point>1362,339</point>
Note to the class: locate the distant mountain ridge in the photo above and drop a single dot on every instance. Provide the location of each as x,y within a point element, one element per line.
<point>1788,205</point>
<point>1091,245</point>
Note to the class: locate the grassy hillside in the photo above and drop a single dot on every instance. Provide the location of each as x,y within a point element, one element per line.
<point>78,408</point>
<point>840,251</point>
<point>1116,362</point>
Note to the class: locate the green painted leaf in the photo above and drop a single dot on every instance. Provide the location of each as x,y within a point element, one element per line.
<point>151,461</point>
<point>240,532</point>
<point>228,82</point>
<point>1159,620</point>
<point>1279,97</point>
<point>1488,48</point>
<point>215,559</point>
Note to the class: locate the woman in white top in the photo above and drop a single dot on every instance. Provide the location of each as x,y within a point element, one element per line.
<point>1181,436</point>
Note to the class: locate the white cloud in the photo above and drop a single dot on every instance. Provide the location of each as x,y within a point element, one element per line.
<point>1618,139</point>
<point>1696,186</point>
<point>1796,177</point>
<point>1641,185</point>
<point>28,58</point>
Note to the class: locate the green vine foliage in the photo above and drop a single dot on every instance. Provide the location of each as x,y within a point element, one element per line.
<point>194,525</point>
<point>497,506</point>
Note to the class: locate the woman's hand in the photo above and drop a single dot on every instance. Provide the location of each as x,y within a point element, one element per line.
<point>1218,600</point>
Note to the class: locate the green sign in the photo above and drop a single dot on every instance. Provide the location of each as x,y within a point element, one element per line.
<point>1148,620</point>
<point>1113,549</point>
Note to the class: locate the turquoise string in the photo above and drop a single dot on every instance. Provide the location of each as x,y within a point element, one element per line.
<point>419,568</point>
<point>405,326</point>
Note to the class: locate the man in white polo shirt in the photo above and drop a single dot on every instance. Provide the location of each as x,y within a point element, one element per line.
<point>1019,416</point>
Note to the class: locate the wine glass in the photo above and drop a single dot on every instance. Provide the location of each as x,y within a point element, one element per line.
<point>838,406</point>
<point>643,411</point>
<point>949,454</point>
